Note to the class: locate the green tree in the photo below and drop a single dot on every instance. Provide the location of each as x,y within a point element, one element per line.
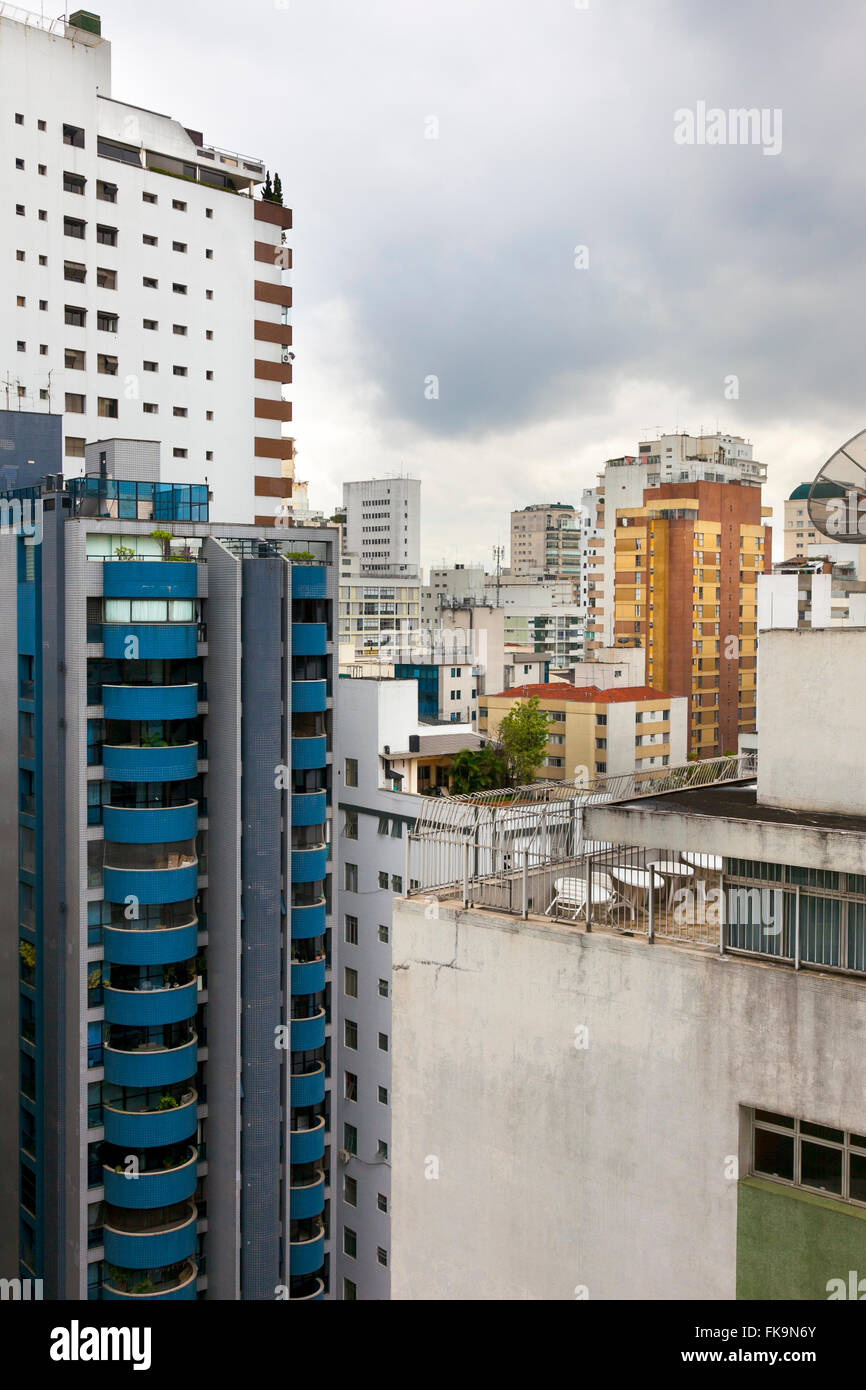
<point>523,735</point>
<point>278,190</point>
<point>268,190</point>
<point>477,770</point>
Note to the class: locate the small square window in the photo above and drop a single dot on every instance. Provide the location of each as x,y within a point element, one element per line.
<point>150,240</point>
<point>383,1042</point>
<point>19,119</point>
<point>208,255</point>
<point>350,1190</point>
<point>43,304</point>
<point>351,772</point>
<point>208,294</point>
<point>41,125</point>
<point>179,453</point>
<point>350,1086</point>
<point>149,198</point>
<point>208,376</point>
<point>21,301</point>
<point>19,164</point>
<point>351,930</point>
<point>22,346</point>
<point>381,1149</point>
<point>209,334</point>
<point>350,982</point>
<point>350,1243</point>
<point>43,215</point>
<point>384,933</point>
<point>178,289</point>
<point>382,1255</point>
<point>179,329</point>
<point>179,371</point>
<point>382,1092</point>
<point>180,412</point>
<point>350,1291</point>
<point>178,205</point>
<point>383,989</point>
<point>383,879</point>
<point>209,456</point>
<point>208,415</point>
<point>208,212</point>
<point>19,209</point>
<point>43,260</point>
<point>152,324</point>
<point>20,255</point>
<point>350,1028</point>
<point>150,407</point>
<point>381,1201</point>
<point>43,168</point>
<point>149,282</point>
<point>43,349</point>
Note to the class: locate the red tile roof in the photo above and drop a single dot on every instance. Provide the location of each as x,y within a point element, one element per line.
<point>583,694</point>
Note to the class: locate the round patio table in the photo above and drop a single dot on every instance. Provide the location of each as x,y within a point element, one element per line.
<point>635,880</point>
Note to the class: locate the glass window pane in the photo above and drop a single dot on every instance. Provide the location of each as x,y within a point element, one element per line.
<point>857,1186</point>
<point>769,1118</point>
<point>774,1154</point>
<point>821,1167</point>
<point>821,1132</point>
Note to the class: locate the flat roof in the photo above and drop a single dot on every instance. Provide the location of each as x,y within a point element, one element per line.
<point>739,801</point>
<point>583,694</point>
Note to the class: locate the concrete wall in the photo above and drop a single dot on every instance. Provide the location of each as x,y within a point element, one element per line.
<point>812,719</point>
<point>607,1166</point>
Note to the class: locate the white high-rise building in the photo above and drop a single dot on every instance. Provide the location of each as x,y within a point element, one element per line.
<point>142,277</point>
<point>383,524</point>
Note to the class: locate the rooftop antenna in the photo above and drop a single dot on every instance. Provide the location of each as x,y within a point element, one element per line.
<point>498,552</point>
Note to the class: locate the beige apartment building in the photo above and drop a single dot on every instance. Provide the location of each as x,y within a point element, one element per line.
<point>621,729</point>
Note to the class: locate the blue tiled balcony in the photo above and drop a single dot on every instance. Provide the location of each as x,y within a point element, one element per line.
<point>141,825</point>
<point>307,1256</point>
<point>312,1297</point>
<point>309,581</point>
<point>309,865</point>
<point>184,1287</point>
<point>309,696</point>
<point>308,977</point>
<point>134,763</point>
<point>309,808</point>
<point>308,1088</point>
<point>309,752</point>
<point>309,639</point>
<point>161,1067</point>
<point>308,1145</point>
<point>150,1006</point>
<point>308,1200</point>
<point>150,701</point>
<point>161,641</point>
<point>153,1249</point>
<point>142,1129</point>
<point>149,579</point>
<point>308,1033</point>
<point>158,946</point>
<point>148,1190</point>
<point>308,921</point>
<point>151,886</point>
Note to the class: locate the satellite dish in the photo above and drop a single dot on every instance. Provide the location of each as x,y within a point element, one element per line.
<point>837,498</point>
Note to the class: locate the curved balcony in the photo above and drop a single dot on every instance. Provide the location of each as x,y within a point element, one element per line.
<point>144,702</point>
<point>307,1199</point>
<point>136,945</point>
<point>142,1129</point>
<point>308,1033</point>
<point>151,886</point>
<point>181,1284</point>
<point>309,581</point>
<point>308,1145</point>
<point>309,639</point>
<point>308,976</point>
<point>161,641</point>
<point>309,865</point>
<point>317,1293</point>
<point>309,752</point>
<point>306,1256</point>
<point>149,579</point>
<point>160,1188</point>
<point>153,1248</point>
<point>308,1087</point>
<point>150,825</point>
<point>308,921</point>
<point>309,697</point>
<point>150,1006</point>
<point>309,808</point>
<point>133,762</point>
<point>151,1066</point>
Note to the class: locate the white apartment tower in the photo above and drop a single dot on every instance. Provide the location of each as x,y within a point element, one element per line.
<point>383,525</point>
<point>143,278</point>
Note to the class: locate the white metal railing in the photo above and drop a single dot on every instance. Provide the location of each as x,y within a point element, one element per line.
<point>56,26</point>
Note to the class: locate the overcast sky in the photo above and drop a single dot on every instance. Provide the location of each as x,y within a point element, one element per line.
<point>454,256</point>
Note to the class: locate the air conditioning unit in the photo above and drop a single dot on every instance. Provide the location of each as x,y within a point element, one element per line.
<point>344,1156</point>
<point>287,357</point>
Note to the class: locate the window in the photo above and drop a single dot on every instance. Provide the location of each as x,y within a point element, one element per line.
<point>350,1034</point>
<point>106,406</point>
<point>350,929</point>
<point>152,324</point>
<point>178,246</point>
<point>106,279</point>
<point>179,453</point>
<point>381,1254</point>
<point>350,982</point>
<point>74,447</point>
<point>106,322</point>
<point>43,304</point>
<point>180,329</point>
<point>208,376</point>
<point>383,1042</point>
<point>383,879</point>
<point>19,210</point>
<point>350,1139</point>
<point>150,240</point>
<point>178,205</point>
<point>19,119</point>
<point>208,212</point>
<point>106,236</point>
<point>21,344</point>
<point>350,1085</point>
<point>106,192</point>
<point>208,415</point>
<point>209,334</point>
<point>382,1093</point>
<point>383,988</point>
<point>150,282</point>
<point>351,772</point>
<point>75,270</point>
<point>150,366</point>
<point>150,407</point>
<point>208,455</point>
<point>72,226</point>
<point>384,933</point>
<point>19,164</point>
<point>208,294</point>
<point>179,412</point>
<point>106,365</point>
<point>73,135</point>
<point>19,256</point>
<point>396,883</point>
<point>178,289</point>
<point>350,881</point>
<point>21,301</point>
<point>149,198</point>
<point>381,1201</point>
<point>179,371</point>
<point>350,825</point>
<point>350,1243</point>
<point>41,125</point>
<point>74,183</point>
<point>74,403</point>
<point>350,1189</point>
<point>804,1154</point>
<point>350,1291</point>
